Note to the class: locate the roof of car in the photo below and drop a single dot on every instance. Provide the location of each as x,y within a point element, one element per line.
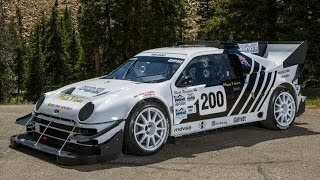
<point>184,50</point>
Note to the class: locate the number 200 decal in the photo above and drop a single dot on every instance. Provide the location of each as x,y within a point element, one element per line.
<point>212,100</point>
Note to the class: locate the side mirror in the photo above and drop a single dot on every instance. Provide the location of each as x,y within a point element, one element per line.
<point>184,81</point>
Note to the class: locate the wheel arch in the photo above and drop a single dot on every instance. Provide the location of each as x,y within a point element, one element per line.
<point>156,100</point>
<point>292,90</point>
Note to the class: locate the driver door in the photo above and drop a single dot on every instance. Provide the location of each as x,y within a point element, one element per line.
<point>199,92</point>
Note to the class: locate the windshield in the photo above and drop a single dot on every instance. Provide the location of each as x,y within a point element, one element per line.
<point>147,69</point>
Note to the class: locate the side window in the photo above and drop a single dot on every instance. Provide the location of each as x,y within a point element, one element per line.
<point>208,69</point>
<point>240,64</point>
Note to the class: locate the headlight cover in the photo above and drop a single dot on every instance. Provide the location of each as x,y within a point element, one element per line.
<point>86,111</point>
<point>40,101</point>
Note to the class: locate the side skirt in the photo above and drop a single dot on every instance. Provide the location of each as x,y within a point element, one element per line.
<point>215,123</point>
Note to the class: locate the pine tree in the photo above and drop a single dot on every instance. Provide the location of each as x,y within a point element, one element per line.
<point>35,71</point>
<point>242,20</point>
<point>55,65</point>
<point>8,44</point>
<point>92,28</point>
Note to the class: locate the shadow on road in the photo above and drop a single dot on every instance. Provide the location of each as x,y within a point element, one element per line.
<point>189,147</point>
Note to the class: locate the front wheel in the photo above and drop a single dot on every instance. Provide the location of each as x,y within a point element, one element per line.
<point>147,130</point>
<point>281,111</point>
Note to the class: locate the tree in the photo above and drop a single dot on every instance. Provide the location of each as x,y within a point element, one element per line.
<point>55,65</point>
<point>35,69</point>
<point>92,28</point>
<point>242,20</point>
<point>301,21</point>
<point>8,43</point>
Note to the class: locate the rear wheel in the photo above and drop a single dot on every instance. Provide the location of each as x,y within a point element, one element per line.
<point>281,111</point>
<point>147,131</point>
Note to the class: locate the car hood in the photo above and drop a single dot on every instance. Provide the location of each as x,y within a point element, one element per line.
<point>98,87</point>
<point>66,102</point>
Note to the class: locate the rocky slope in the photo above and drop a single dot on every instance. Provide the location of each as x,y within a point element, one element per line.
<point>32,9</point>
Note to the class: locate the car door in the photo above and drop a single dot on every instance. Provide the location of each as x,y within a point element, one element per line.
<point>207,88</point>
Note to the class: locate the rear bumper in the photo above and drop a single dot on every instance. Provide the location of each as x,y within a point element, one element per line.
<point>73,155</point>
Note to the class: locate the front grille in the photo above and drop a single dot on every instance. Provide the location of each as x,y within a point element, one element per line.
<point>58,133</point>
<point>54,132</point>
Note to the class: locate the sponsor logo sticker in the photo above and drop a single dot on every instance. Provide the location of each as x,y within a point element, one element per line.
<point>231,84</point>
<point>180,129</point>
<point>64,97</point>
<point>215,123</point>
<point>190,97</point>
<point>179,100</point>
<point>249,47</point>
<point>191,109</point>
<point>181,113</point>
<point>60,107</point>
<point>91,89</point>
<point>202,125</point>
<point>145,94</point>
<point>178,61</point>
<point>240,119</point>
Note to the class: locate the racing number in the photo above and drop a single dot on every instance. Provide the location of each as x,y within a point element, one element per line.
<point>212,100</point>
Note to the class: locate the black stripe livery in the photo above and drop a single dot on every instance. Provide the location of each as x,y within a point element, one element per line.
<point>262,93</point>
<point>257,90</point>
<point>274,80</point>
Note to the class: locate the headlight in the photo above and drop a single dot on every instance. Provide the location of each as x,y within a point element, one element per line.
<point>40,101</point>
<point>86,111</point>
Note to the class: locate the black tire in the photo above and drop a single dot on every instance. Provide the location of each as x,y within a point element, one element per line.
<point>271,121</point>
<point>131,145</point>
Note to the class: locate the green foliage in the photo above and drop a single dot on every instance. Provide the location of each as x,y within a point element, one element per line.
<point>8,43</point>
<point>35,68</point>
<point>108,32</point>
<point>54,52</point>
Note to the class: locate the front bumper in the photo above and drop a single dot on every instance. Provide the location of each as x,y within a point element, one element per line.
<point>71,154</point>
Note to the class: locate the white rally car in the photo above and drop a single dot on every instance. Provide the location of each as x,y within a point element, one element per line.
<point>168,92</point>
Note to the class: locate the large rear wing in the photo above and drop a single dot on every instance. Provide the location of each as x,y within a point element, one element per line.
<point>288,53</point>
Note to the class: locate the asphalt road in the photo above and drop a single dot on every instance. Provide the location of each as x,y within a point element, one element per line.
<point>242,153</point>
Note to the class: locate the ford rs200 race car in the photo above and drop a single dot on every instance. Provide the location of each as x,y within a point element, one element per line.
<point>163,93</point>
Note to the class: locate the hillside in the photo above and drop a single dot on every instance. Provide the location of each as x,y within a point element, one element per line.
<point>31,10</point>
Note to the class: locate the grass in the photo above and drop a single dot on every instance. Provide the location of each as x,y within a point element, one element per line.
<point>313,97</point>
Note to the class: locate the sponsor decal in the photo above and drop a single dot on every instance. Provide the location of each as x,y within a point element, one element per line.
<point>240,119</point>
<point>202,124</point>
<point>249,47</point>
<point>60,107</point>
<point>187,90</point>
<point>243,60</point>
<point>64,97</point>
<point>231,84</point>
<point>91,89</point>
<point>284,73</point>
<point>145,94</point>
<point>191,109</point>
<point>195,89</point>
<point>176,92</point>
<point>179,100</point>
<point>190,97</point>
<point>181,113</point>
<point>178,61</point>
<point>158,54</point>
<point>186,128</point>
<point>215,123</point>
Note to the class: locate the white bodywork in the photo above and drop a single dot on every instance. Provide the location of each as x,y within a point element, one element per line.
<point>114,99</point>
